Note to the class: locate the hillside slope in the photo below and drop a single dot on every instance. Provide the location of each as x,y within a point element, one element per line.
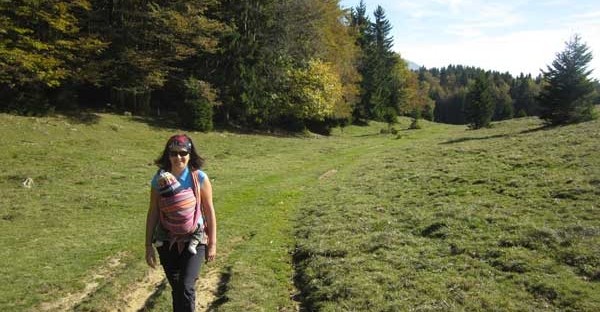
<point>439,218</point>
<point>496,219</point>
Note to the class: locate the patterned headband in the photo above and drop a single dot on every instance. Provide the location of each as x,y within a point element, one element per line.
<point>180,141</point>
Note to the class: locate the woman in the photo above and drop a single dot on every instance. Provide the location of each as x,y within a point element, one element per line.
<point>181,266</point>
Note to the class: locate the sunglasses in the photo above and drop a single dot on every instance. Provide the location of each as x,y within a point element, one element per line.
<point>180,153</point>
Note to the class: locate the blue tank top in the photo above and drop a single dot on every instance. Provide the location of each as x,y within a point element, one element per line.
<point>185,179</point>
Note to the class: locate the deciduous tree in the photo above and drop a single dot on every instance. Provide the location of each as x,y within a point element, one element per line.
<point>152,42</point>
<point>42,46</point>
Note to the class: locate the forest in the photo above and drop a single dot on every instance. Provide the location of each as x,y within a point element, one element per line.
<point>443,218</point>
<point>222,63</point>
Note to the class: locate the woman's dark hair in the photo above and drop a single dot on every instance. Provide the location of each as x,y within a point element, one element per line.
<point>195,162</point>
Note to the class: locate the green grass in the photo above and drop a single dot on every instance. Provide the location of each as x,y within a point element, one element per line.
<point>498,219</point>
<point>441,218</point>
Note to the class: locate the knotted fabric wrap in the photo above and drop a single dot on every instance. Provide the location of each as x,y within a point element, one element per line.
<point>168,185</point>
<point>200,208</point>
<point>180,213</point>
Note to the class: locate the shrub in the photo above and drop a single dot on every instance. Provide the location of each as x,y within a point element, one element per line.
<point>415,124</point>
<point>196,111</point>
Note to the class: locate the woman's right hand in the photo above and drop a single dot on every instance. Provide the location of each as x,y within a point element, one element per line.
<point>151,221</point>
<point>211,252</point>
<point>150,257</point>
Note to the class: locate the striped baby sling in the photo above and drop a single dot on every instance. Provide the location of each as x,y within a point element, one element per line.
<point>180,213</point>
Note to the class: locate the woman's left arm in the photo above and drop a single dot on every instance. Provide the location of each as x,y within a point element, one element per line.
<point>211,218</point>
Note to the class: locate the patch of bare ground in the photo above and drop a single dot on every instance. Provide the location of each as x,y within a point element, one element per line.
<point>328,174</point>
<point>67,303</point>
<point>138,294</point>
<point>207,289</point>
<point>137,300</point>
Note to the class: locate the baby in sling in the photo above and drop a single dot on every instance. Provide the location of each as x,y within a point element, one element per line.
<point>179,219</point>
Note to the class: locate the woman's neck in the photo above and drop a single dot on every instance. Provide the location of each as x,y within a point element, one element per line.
<point>177,171</point>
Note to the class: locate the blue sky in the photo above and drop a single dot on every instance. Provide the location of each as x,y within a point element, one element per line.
<point>509,35</point>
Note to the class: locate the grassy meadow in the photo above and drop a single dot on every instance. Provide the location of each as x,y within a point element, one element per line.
<point>440,218</point>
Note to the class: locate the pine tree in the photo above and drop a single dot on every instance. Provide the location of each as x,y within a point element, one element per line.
<point>567,96</point>
<point>361,24</point>
<point>479,107</point>
<point>382,63</point>
<point>524,93</point>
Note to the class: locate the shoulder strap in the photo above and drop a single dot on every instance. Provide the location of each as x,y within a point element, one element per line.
<point>196,186</point>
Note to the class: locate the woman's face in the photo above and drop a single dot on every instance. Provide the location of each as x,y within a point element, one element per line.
<point>179,158</point>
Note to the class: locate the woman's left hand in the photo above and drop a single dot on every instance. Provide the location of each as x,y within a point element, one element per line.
<point>150,257</point>
<point>212,252</point>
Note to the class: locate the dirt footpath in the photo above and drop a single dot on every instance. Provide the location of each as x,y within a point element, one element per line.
<point>138,295</point>
<point>68,302</point>
<point>206,290</point>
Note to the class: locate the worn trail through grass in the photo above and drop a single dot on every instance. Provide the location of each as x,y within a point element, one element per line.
<point>89,197</point>
<point>438,218</point>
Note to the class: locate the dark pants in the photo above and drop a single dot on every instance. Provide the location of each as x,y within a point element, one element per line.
<point>182,272</point>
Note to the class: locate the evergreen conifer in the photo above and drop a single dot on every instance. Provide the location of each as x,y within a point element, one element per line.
<point>567,95</point>
<point>479,107</point>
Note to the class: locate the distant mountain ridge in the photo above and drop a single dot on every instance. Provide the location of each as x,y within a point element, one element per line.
<point>412,65</point>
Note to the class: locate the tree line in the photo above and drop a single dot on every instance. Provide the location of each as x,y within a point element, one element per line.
<point>449,86</point>
<point>561,94</point>
<point>258,64</point>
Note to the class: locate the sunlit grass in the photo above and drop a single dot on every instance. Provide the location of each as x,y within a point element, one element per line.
<point>498,219</point>
<point>441,218</point>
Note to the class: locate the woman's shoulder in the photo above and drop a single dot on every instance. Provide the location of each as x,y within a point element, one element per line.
<point>154,181</point>
<point>201,174</point>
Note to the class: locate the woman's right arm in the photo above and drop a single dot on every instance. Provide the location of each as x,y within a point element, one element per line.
<point>151,221</point>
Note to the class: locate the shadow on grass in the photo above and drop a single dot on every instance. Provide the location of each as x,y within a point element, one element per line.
<point>305,303</point>
<point>151,301</point>
<point>82,117</point>
<point>540,128</point>
<point>275,132</point>
<point>221,290</point>
<point>92,117</point>
<point>459,140</point>
<point>160,122</point>
<point>170,122</point>
<point>367,135</point>
<point>526,131</point>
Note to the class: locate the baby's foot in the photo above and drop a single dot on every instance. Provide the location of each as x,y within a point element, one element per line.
<point>158,243</point>
<point>192,247</point>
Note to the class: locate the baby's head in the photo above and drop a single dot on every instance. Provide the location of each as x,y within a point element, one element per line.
<point>168,184</point>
